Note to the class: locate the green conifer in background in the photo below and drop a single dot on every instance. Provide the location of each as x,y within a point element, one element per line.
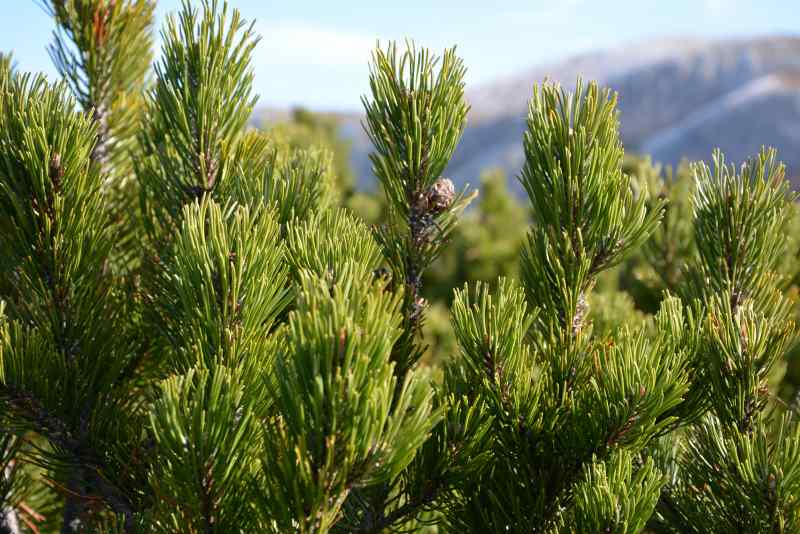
<point>660,264</point>
<point>306,129</point>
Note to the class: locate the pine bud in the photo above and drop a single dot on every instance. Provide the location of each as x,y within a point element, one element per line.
<point>581,308</point>
<point>441,195</point>
<point>418,308</point>
<point>56,171</point>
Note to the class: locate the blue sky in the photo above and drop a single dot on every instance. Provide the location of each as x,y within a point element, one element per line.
<point>315,53</point>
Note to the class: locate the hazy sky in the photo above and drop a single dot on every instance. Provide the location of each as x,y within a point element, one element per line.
<point>315,53</point>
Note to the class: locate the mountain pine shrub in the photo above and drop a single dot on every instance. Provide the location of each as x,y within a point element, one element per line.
<point>196,337</point>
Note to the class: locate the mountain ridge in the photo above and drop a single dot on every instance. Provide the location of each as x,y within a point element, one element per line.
<point>678,98</point>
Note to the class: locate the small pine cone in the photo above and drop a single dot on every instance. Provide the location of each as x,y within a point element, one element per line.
<point>441,195</point>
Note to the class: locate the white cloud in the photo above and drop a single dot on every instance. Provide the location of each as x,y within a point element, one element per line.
<point>299,43</point>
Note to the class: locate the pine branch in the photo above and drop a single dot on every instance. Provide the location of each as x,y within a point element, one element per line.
<point>738,221</point>
<point>565,405</point>
<point>586,217</point>
<point>409,509</point>
<point>206,444</point>
<point>411,88</point>
<point>221,288</point>
<point>9,448</point>
<point>86,465</point>
<point>102,48</point>
<point>335,390</point>
<point>408,90</point>
<point>59,287</point>
<point>197,112</point>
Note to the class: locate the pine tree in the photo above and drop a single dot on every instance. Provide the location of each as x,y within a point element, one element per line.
<point>571,415</point>
<point>194,337</point>
<point>218,290</point>
<point>737,467</point>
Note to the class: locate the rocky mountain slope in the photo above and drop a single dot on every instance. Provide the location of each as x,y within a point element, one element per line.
<point>677,98</point>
